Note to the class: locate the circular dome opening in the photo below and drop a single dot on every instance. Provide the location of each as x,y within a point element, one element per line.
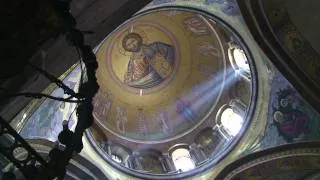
<point>170,102</point>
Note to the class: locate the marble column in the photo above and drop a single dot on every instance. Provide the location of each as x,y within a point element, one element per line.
<point>109,148</point>
<point>135,161</point>
<point>168,162</point>
<point>238,107</point>
<point>196,153</point>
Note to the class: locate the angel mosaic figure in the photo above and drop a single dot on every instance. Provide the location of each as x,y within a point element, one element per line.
<point>121,119</point>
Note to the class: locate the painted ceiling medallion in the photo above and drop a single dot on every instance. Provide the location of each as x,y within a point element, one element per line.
<point>143,56</point>
<point>160,77</point>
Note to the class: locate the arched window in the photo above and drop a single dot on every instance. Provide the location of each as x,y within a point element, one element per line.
<point>231,121</point>
<point>116,158</point>
<point>241,59</point>
<point>118,153</point>
<point>182,160</point>
<point>238,60</point>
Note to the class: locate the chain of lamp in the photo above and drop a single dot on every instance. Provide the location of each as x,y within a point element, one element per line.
<point>33,166</point>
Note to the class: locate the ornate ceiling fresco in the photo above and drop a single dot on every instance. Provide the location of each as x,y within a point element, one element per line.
<point>290,118</point>
<point>161,75</point>
<point>165,78</point>
<point>170,79</point>
<point>287,32</point>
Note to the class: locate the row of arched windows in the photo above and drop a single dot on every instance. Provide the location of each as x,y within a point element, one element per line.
<point>178,160</point>
<point>181,158</point>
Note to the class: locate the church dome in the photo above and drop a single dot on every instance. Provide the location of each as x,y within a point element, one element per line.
<point>176,87</point>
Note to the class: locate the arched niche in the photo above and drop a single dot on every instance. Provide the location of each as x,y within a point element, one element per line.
<point>207,140</point>
<point>118,153</point>
<point>99,136</point>
<point>149,160</point>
